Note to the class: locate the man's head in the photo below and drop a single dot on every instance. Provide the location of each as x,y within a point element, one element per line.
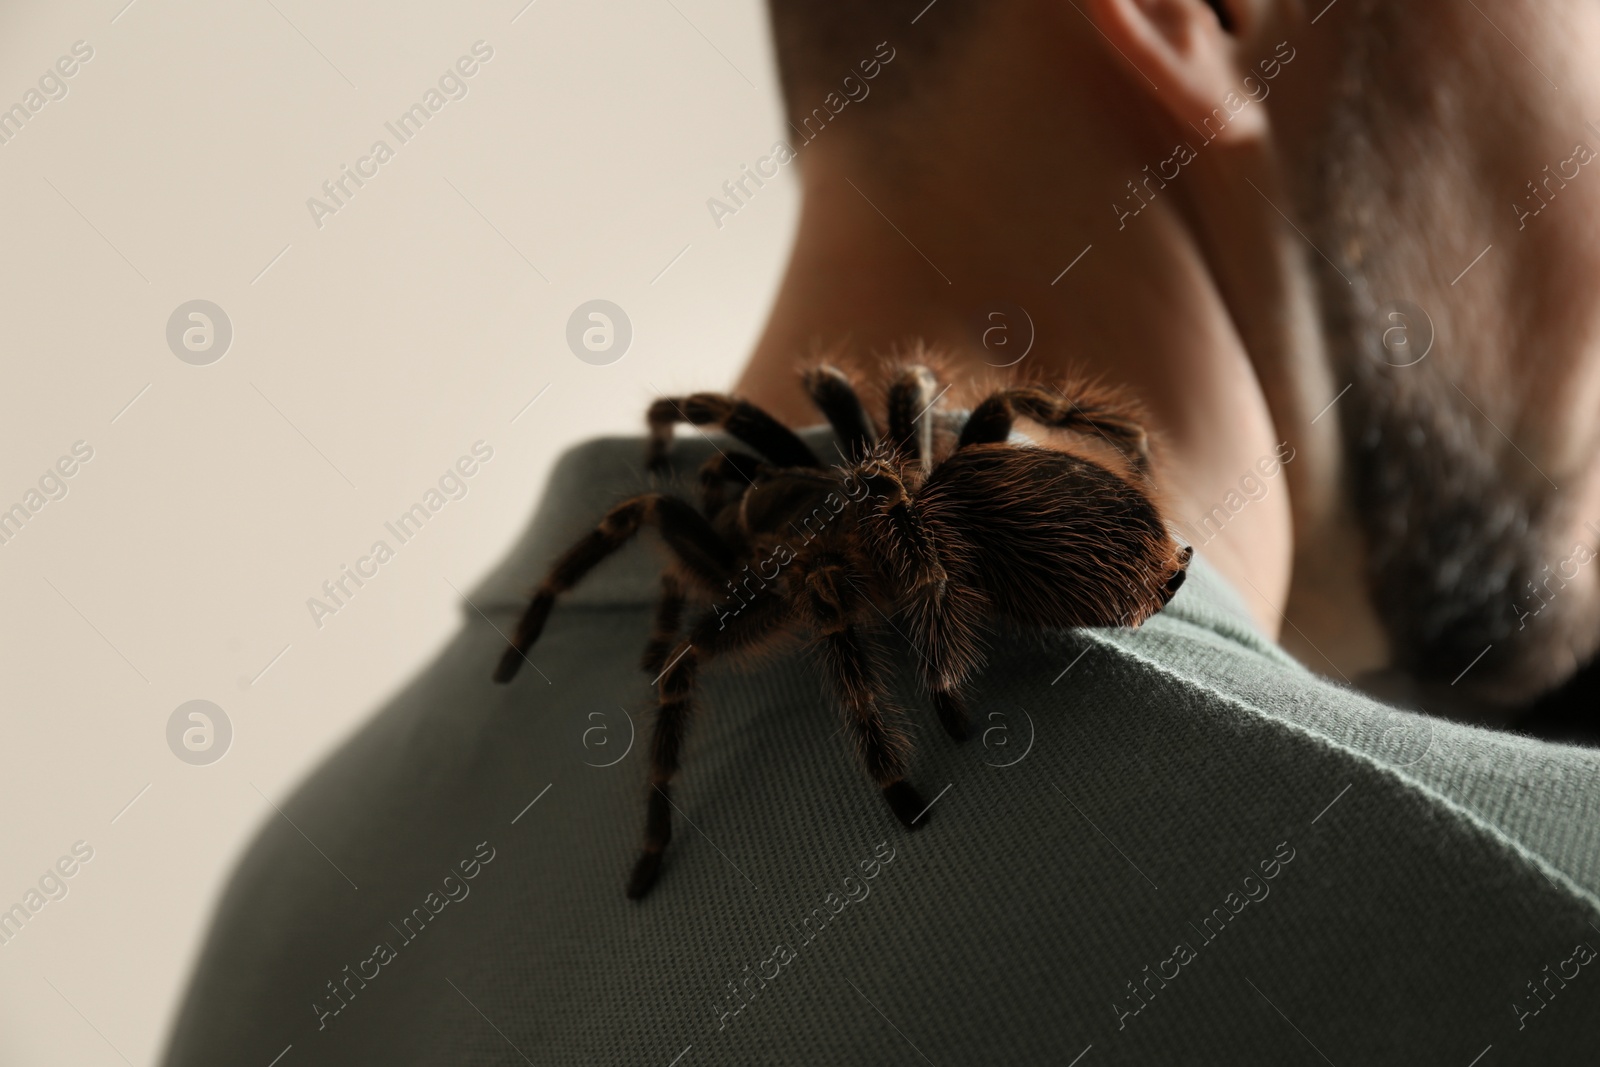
<point>818,44</point>
<point>1439,167</point>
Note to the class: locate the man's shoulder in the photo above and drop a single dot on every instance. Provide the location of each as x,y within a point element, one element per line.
<point>1542,800</point>
<point>1127,806</point>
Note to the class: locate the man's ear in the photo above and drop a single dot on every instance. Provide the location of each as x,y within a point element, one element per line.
<point>1183,53</point>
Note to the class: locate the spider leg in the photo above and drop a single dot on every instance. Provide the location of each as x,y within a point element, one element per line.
<point>946,604</point>
<point>898,535</point>
<point>740,418</point>
<point>836,398</point>
<point>932,573</point>
<point>725,467</point>
<point>664,631</point>
<point>698,547</point>
<point>911,394</point>
<point>991,420</point>
<point>675,692</point>
<point>859,681</point>
<point>945,624</point>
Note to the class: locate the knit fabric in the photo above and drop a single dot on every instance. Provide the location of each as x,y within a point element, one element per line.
<point>1163,845</point>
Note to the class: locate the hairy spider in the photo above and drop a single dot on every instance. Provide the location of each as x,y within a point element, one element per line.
<point>945,533</point>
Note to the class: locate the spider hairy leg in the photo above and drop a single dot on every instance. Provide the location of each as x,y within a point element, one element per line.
<point>675,689</point>
<point>911,394</point>
<point>902,540</point>
<point>1117,422</point>
<point>739,467</point>
<point>989,423</point>
<point>685,530</point>
<point>859,683</point>
<point>664,631</point>
<point>952,712</point>
<point>742,419</point>
<point>946,610</point>
<point>881,743</point>
<point>833,394</point>
<point>707,639</point>
<point>946,607</point>
<point>947,623</point>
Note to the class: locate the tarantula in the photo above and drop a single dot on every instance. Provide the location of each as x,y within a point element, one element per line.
<point>945,536</point>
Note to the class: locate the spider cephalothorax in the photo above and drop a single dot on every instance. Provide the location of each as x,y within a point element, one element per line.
<point>945,533</point>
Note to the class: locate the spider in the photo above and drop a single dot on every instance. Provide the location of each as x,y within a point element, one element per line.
<point>946,534</point>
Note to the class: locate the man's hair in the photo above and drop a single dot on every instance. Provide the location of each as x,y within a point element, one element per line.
<point>821,42</point>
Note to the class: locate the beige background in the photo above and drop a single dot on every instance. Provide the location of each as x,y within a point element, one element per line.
<point>366,358</point>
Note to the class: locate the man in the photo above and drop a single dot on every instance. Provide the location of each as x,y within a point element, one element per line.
<point>1344,255</point>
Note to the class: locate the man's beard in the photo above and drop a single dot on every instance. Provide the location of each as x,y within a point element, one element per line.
<point>1461,560</point>
<point>1464,557</point>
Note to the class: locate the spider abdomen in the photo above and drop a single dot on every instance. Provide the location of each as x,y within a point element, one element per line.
<point>1051,538</point>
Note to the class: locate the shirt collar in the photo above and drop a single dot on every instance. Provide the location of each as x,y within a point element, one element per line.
<point>592,477</point>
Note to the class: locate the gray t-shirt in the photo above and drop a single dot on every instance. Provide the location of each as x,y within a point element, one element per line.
<point>1164,845</point>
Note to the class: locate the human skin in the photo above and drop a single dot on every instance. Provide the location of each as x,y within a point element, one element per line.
<point>1217,304</point>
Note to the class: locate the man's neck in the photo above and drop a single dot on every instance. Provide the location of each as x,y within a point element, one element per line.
<point>1131,301</point>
